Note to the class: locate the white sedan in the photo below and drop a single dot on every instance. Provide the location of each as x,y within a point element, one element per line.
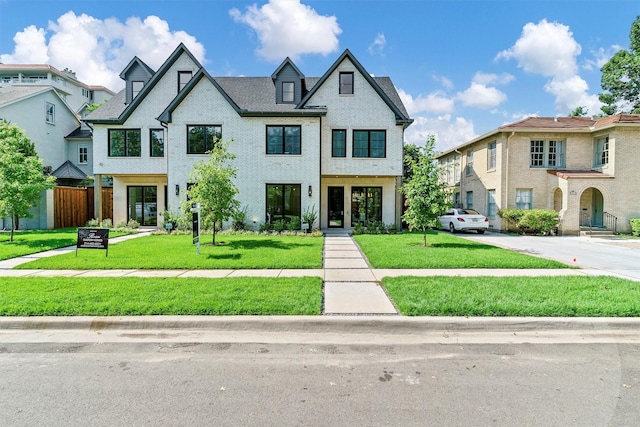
<point>464,219</point>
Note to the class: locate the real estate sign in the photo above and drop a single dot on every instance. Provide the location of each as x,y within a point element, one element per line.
<point>93,238</point>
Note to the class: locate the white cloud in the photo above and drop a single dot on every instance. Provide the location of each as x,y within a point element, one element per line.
<point>600,57</point>
<point>436,102</point>
<point>480,95</point>
<point>289,28</point>
<point>98,50</point>
<point>444,81</point>
<point>549,49</point>
<point>378,45</point>
<point>546,48</point>
<point>449,132</point>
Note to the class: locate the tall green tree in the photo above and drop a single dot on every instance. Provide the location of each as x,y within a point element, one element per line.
<point>21,174</point>
<point>426,194</point>
<point>621,77</point>
<point>411,152</point>
<point>214,188</point>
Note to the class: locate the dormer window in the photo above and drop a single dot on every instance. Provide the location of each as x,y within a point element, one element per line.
<point>346,83</point>
<point>136,87</point>
<point>288,91</point>
<point>183,79</point>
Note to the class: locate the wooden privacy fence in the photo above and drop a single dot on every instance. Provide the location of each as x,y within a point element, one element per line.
<point>73,207</point>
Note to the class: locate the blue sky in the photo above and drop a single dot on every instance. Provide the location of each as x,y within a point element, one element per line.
<point>463,68</point>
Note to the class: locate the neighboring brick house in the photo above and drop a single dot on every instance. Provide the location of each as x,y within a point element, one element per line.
<point>47,104</point>
<point>333,142</point>
<point>583,168</point>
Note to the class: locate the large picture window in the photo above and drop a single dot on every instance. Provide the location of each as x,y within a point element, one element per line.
<point>142,204</point>
<point>339,143</point>
<point>369,143</point>
<point>202,138</point>
<point>156,139</point>
<point>284,139</point>
<point>283,202</point>
<point>366,205</point>
<point>124,142</point>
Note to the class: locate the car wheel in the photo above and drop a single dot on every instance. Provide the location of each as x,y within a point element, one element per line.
<point>452,228</point>
<point>480,231</point>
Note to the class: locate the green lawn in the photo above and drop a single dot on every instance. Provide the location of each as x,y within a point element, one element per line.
<point>443,251</point>
<point>33,241</point>
<point>130,296</point>
<point>164,251</point>
<point>562,296</point>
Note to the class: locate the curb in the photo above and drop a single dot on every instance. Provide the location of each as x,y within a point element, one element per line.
<point>389,325</point>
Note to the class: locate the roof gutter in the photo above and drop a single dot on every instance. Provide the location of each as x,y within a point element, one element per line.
<point>313,113</point>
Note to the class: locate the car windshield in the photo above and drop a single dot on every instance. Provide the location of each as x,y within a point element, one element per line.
<point>469,212</point>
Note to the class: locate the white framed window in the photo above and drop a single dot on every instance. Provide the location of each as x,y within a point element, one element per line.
<point>83,154</point>
<point>601,157</point>
<point>136,87</point>
<point>524,198</point>
<point>546,153</point>
<point>288,91</point>
<point>50,113</point>
<point>469,167</point>
<point>491,156</point>
<point>492,207</point>
<point>469,200</point>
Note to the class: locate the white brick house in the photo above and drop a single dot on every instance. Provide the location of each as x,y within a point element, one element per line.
<point>333,143</point>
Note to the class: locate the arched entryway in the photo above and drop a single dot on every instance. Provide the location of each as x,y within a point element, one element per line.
<point>591,208</point>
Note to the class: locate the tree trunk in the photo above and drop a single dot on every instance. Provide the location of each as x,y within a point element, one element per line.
<point>425,239</point>
<point>12,227</point>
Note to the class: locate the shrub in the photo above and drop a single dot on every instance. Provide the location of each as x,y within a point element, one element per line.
<point>512,216</point>
<point>107,223</point>
<point>635,226</point>
<point>239,217</point>
<point>539,221</point>
<point>265,227</point>
<point>279,225</point>
<point>93,223</point>
<point>310,216</point>
<point>293,224</point>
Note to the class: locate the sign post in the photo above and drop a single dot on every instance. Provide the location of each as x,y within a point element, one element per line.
<point>195,211</point>
<point>93,238</point>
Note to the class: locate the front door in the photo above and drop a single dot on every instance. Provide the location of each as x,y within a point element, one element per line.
<point>336,207</point>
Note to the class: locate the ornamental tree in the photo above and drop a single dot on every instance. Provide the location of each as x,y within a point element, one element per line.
<point>214,188</point>
<point>21,174</point>
<point>426,195</point>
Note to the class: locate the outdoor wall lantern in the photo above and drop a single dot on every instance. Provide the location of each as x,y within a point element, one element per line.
<point>177,190</point>
<point>310,191</point>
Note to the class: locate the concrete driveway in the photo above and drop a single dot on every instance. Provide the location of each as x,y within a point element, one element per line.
<point>617,256</point>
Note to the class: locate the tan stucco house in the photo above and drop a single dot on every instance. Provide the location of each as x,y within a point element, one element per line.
<point>584,168</point>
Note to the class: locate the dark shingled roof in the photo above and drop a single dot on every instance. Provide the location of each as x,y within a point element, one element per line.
<point>110,110</point>
<point>80,133</point>
<point>68,170</point>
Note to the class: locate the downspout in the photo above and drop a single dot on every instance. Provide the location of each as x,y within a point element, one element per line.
<point>506,180</point>
<point>320,177</point>
<point>166,153</point>
<point>461,175</point>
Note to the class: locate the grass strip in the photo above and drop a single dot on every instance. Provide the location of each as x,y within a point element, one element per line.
<point>34,241</point>
<point>131,296</point>
<point>561,296</point>
<point>443,251</point>
<point>164,251</point>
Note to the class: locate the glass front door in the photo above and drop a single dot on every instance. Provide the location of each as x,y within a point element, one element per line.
<point>143,205</point>
<point>336,207</point>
